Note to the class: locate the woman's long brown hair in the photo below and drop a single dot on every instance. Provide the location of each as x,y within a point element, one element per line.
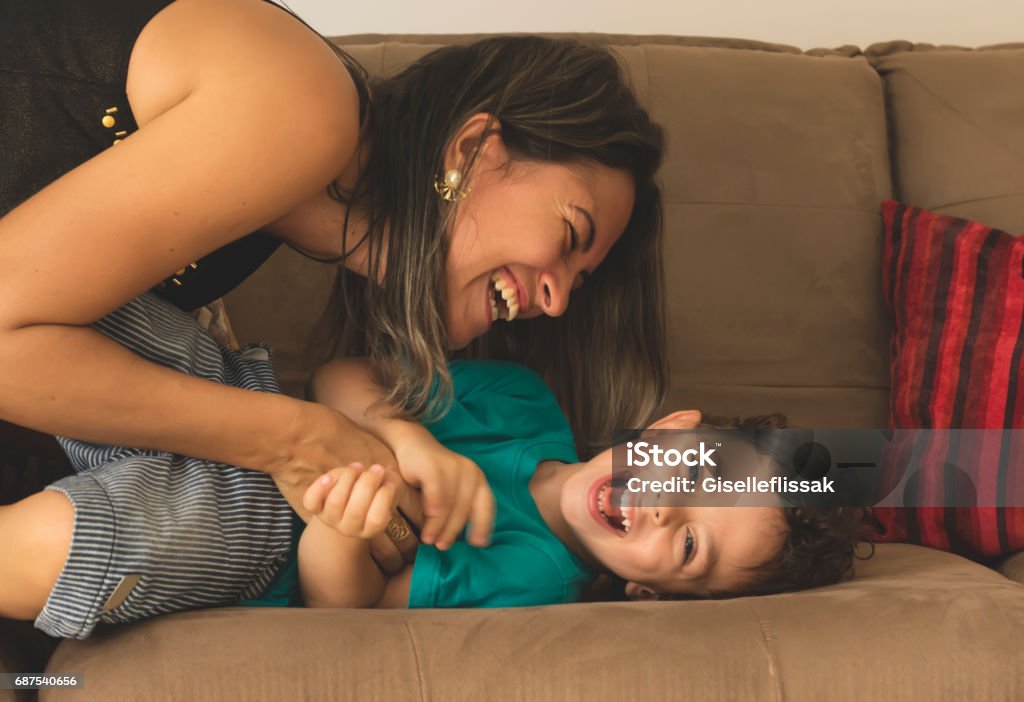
<point>556,101</point>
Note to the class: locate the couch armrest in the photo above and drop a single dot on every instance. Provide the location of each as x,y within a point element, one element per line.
<point>1013,567</point>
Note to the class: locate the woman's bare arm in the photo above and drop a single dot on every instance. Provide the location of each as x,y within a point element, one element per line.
<point>269,118</point>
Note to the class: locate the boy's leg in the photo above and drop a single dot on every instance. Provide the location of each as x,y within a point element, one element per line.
<point>155,533</point>
<point>36,534</point>
<point>159,534</point>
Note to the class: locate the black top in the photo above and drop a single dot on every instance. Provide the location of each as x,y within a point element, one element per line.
<point>63,71</point>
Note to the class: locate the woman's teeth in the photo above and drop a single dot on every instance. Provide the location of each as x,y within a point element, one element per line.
<point>504,299</point>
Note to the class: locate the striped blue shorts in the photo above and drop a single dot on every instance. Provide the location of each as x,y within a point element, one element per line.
<point>155,532</point>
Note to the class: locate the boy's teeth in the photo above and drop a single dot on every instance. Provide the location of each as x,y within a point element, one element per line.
<point>513,310</point>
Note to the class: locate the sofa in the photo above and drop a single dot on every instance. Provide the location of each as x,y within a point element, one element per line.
<point>778,160</point>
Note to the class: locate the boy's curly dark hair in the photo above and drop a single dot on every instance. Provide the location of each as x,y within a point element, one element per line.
<point>819,548</point>
<point>820,544</point>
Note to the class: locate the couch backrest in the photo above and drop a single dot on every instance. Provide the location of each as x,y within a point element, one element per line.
<point>777,163</point>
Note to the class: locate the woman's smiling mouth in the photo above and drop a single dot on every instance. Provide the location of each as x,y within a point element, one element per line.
<point>506,296</point>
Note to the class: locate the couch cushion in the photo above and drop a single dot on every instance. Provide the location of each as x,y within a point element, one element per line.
<point>956,123</point>
<point>776,167</point>
<point>886,632</point>
<point>1013,568</point>
<point>954,289</point>
<point>777,162</point>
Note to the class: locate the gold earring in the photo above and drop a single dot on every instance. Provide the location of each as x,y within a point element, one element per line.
<point>449,187</point>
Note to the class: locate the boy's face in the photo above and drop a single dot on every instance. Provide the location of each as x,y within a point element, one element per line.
<point>671,549</point>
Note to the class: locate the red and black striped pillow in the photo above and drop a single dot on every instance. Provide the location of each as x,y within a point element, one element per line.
<point>955,290</point>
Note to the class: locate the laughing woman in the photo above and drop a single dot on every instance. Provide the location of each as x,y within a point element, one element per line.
<point>155,153</point>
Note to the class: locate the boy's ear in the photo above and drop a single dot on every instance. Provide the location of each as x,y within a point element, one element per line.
<point>683,419</point>
<point>636,592</point>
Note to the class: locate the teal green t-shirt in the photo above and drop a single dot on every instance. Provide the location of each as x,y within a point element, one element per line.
<point>506,420</point>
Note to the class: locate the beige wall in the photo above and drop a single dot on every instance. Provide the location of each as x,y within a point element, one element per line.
<point>803,23</point>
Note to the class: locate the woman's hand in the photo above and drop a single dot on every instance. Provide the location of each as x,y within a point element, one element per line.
<point>454,492</point>
<point>323,439</point>
<point>354,502</point>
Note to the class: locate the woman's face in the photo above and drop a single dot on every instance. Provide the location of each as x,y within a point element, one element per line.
<point>526,236</point>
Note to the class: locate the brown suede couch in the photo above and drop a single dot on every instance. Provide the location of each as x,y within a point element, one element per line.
<point>778,160</point>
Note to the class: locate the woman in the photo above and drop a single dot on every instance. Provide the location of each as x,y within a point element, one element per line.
<point>146,142</point>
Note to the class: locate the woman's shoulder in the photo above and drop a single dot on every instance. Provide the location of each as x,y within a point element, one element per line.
<point>252,45</point>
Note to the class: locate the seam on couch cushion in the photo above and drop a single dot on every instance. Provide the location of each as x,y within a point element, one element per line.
<point>973,200</point>
<point>999,143</point>
<point>773,662</point>
<point>416,657</point>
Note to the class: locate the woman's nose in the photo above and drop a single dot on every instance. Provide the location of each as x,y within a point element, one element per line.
<point>554,295</point>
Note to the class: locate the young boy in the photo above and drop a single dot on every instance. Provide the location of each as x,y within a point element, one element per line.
<point>137,533</point>
<point>555,527</point>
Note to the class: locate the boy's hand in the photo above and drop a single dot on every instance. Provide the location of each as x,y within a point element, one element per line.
<point>454,490</point>
<point>353,501</point>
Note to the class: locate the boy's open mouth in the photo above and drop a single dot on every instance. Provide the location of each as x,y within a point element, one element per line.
<point>609,506</point>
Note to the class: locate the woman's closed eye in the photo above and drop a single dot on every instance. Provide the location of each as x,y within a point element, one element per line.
<point>571,242</point>
<point>574,244</point>
<point>574,237</point>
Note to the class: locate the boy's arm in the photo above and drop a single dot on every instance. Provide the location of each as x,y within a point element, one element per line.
<point>337,570</point>
<point>347,386</point>
<point>351,506</point>
<point>454,488</point>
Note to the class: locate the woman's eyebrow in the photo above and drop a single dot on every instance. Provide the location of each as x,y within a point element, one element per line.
<point>589,243</point>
